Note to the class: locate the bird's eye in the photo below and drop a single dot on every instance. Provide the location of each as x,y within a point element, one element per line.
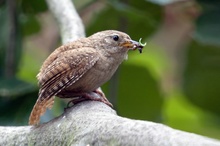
<point>115,37</point>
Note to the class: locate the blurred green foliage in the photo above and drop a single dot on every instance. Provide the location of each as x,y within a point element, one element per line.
<point>194,108</point>
<point>201,78</point>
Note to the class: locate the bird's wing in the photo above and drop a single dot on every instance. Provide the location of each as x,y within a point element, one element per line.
<point>68,68</point>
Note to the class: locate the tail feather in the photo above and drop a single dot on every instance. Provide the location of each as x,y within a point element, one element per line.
<point>39,109</point>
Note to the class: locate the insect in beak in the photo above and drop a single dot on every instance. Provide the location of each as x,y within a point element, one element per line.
<point>133,45</point>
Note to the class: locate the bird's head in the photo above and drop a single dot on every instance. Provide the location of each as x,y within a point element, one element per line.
<point>114,42</point>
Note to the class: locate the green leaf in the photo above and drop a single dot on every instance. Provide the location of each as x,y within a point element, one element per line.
<point>201,79</point>
<point>15,111</point>
<point>139,93</point>
<point>11,88</point>
<point>33,7</point>
<point>29,24</point>
<point>181,114</point>
<point>128,17</point>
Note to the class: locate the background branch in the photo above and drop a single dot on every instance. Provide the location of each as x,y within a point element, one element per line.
<point>70,24</point>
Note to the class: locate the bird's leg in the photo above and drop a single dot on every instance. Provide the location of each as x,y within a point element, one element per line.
<point>98,91</point>
<point>95,95</point>
<point>101,97</point>
<point>75,101</point>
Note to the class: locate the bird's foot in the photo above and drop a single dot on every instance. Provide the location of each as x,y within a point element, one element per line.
<point>104,99</point>
<point>95,95</point>
<point>74,102</point>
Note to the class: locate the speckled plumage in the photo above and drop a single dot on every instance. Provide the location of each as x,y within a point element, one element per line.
<point>80,67</point>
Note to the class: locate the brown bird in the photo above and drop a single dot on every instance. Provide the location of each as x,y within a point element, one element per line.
<point>76,70</point>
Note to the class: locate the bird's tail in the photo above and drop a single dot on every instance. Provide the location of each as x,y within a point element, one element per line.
<point>39,109</point>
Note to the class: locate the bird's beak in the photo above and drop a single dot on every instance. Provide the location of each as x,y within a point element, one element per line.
<point>133,45</point>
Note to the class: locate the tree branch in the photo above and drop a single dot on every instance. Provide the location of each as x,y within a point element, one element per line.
<point>94,123</point>
<point>70,23</point>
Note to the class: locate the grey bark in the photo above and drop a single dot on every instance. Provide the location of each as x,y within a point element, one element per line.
<point>70,23</point>
<point>94,123</point>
